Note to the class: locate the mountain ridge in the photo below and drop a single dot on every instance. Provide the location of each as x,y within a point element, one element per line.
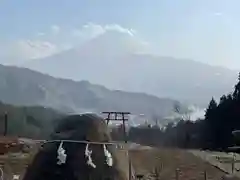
<point>22,86</point>
<point>167,77</point>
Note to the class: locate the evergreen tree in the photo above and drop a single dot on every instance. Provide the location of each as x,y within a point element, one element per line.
<point>210,121</point>
<point>211,109</point>
<point>236,93</point>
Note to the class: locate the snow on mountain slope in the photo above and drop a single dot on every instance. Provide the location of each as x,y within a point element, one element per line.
<point>120,61</point>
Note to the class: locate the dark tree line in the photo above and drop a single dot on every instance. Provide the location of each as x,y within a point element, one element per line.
<point>213,132</point>
<point>33,122</point>
<point>221,119</point>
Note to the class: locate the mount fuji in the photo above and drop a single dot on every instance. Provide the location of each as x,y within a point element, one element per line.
<point>121,61</point>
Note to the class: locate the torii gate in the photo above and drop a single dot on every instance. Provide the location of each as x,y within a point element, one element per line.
<point>114,116</point>
<point>5,127</point>
<point>120,116</point>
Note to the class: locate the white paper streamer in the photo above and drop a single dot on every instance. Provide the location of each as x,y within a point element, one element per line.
<point>2,175</point>
<point>108,155</point>
<point>16,177</point>
<point>61,155</point>
<point>88,155</point>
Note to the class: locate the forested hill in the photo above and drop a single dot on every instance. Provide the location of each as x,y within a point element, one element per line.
<point>21,86</point>
<point>33,122</point>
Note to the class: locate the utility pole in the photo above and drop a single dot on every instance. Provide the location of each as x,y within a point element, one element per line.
<point>235,149</point>
<point>5,131</point>
<point>120,116</point>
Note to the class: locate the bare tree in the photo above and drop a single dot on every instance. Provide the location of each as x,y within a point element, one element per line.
<point>184,113</point>
<point>157,172</point>
<point>156,119</point>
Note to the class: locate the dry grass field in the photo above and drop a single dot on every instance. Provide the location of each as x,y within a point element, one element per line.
<point>173,164</point>
<point>14,165</point>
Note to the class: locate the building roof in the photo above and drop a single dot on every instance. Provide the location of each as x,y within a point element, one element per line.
<point>8,139</point>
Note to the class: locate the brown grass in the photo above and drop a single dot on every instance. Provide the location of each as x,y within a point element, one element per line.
<point>15,164</point>
<point>167,161</point>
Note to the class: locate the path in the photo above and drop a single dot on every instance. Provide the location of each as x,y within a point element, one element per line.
<point>221,160</point>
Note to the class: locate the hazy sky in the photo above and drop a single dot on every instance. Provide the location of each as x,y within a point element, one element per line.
<point>203,30</point>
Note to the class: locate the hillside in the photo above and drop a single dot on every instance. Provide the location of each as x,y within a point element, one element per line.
<point>33,122</point>
<point>110,60</point>
<point>21,86</point>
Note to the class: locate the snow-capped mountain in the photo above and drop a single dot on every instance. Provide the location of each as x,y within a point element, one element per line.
<point>120,61</point>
